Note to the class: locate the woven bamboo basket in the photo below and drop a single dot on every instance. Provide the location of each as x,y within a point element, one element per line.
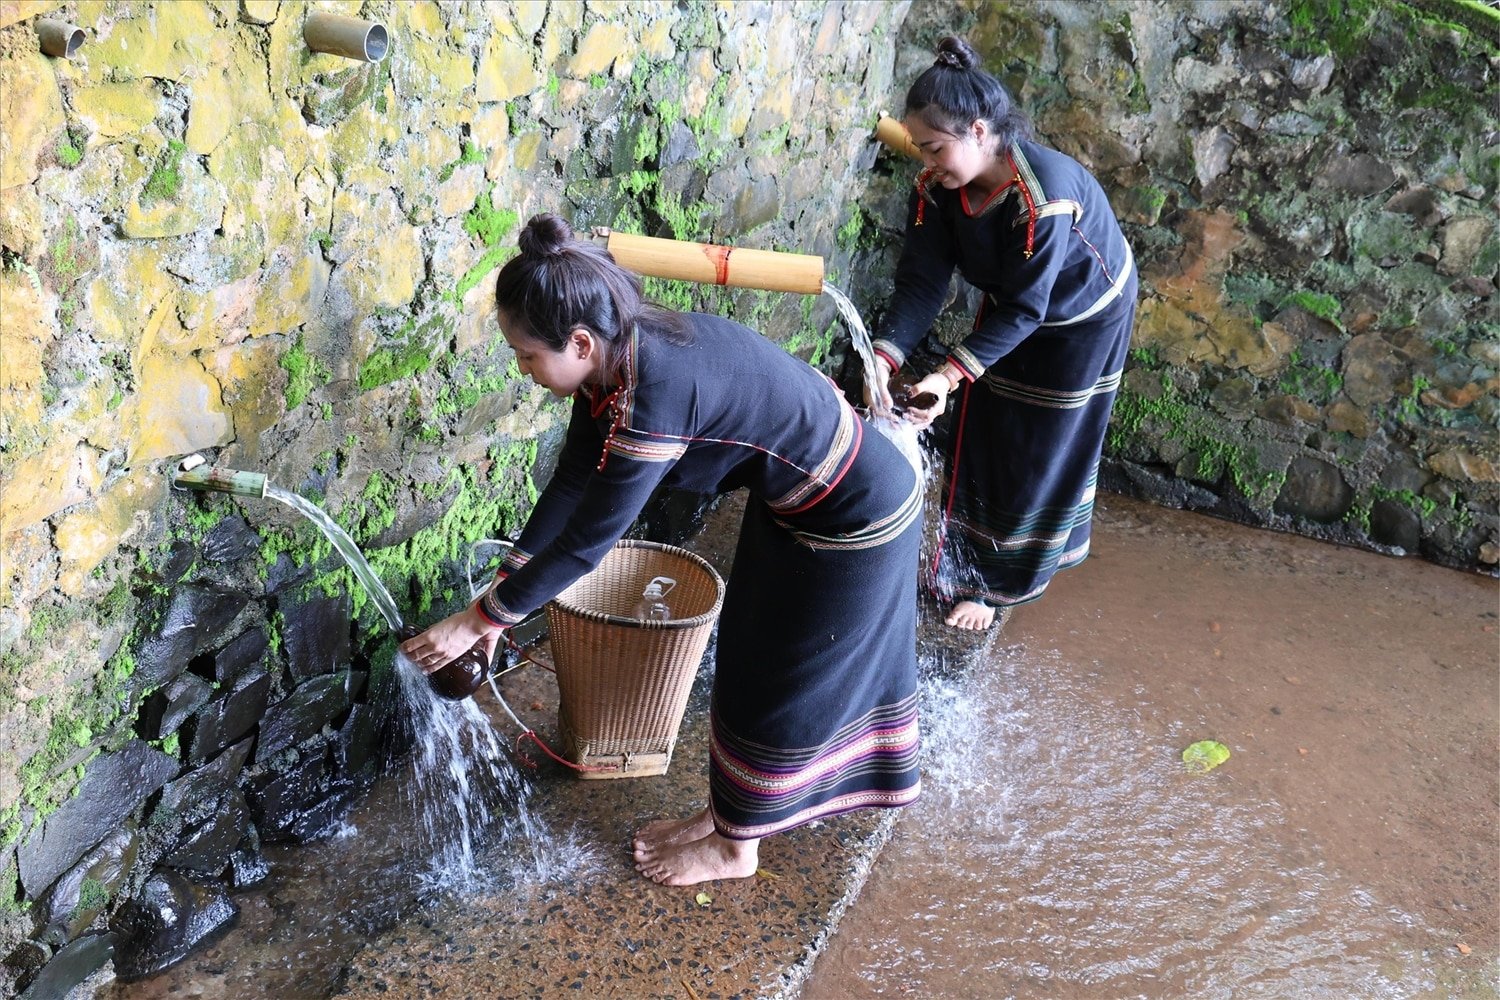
<point>624,682</point>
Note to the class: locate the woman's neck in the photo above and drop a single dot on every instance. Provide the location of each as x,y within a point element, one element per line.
<point>999,173</point>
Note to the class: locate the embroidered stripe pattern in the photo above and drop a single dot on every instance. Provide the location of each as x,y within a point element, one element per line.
<point>835,462</point>
<point>495,612</point>
<point>1109,296</point>
<point>1063,206</point>
<point>964,359</point>
<point>890,352</point>
<point>1052,399</point>
<point>756,780</point>
<point>645,448</point>
<point>875,534</point>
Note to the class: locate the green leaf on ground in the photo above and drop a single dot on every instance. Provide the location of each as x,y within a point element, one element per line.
<point>1204,756</point>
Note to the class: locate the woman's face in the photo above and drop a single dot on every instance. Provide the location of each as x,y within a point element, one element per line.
<point>955,159</point>
<point>560,372</point>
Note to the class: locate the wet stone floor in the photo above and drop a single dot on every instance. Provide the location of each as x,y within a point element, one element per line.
<point>1348,848</point>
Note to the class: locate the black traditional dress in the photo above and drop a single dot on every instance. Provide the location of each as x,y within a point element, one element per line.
<point>1037,376</point>
<point>814,707</point>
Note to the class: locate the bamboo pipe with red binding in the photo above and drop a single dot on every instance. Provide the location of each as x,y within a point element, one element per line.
<point>891,132</point>
<point>712,264</point>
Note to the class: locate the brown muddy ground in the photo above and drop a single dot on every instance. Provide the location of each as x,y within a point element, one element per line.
<point>1347,849</point>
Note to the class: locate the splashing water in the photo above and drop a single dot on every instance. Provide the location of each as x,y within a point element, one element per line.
<point>462,773</point>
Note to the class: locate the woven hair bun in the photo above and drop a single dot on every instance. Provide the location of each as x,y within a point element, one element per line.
<point>546,235</point>
<point>955,53</point>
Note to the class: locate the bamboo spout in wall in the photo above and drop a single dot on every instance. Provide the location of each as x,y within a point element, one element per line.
<point>891,132</point>
<point>345,36</point>
<point>712,264</point>
<point>58,38</point>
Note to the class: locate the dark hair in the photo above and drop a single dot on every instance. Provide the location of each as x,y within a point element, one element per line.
<point>954,92</point>
<point>558,283</point>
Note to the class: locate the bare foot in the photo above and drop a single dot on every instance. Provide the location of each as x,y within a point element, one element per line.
<point>665,832</point>
<point>701,860</point>
<point>971,615</point>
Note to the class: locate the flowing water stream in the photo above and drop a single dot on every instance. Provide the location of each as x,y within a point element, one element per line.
<point>900,433</point>
<point>461,763</point>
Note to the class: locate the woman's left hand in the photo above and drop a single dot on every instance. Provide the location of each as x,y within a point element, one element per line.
<point>449,638</point>
<point>937,384</point>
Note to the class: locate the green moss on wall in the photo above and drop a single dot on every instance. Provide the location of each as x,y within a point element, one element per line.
<point>304,373</point>
<point>166,177</point>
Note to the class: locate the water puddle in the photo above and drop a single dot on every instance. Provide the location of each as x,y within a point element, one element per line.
<point>1062,849</point>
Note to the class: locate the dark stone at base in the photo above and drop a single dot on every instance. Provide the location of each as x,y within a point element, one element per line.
<point>302,714</point>
<point>247,865</point>
<point>226,719</point>
<point>1393,523</point>
<point>69,912</point>
<point>353,748</point>
<point>168,919</point>
<point>1144,482</point>
<point>1314,490</point>
<point>206,848</point>
<point>71,966</point>
<point>113,787</point>
<point>206,783</point>
<point>278,801</point>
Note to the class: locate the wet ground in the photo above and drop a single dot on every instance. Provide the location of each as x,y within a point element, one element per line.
<point>1347,849</point>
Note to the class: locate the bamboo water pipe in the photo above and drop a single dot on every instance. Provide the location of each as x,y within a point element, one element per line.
<point>712,264</point>
<point>891,132</point>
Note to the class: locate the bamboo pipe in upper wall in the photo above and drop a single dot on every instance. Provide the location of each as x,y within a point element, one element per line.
<point>891,132</point>
<point>712,264</point>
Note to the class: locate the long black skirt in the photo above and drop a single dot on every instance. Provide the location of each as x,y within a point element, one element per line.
<point>815,693</point>
<point>1022,461</point>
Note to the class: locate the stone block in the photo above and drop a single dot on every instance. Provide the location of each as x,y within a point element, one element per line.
<point>243,655</point>
<point>226,719</point>
<point>205,848</point>
<point>71,966</point>
<point>196,618</point>
<point>302,714</point>
<point>69,910</point>
<point>279,801</point>
<point>31,107</point>
<point>1315,490</point>
<point>165,921</point>
<point>185,794</point>
<point>113,787</point>
<point>169,706</point>
<point>231,541</point>
<point>317,635</point>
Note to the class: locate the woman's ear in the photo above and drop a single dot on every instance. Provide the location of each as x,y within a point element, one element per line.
<point>581,342</point>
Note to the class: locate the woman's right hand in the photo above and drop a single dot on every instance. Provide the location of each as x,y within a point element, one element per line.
<point>937,384</point>
<point>454,635</point>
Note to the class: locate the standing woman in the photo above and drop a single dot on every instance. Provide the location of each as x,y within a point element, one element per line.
<point>814,706</point>
<point>1033,384</point>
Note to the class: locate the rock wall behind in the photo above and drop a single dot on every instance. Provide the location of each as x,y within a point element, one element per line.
<point>1311,188</point>
<point>218,241</point>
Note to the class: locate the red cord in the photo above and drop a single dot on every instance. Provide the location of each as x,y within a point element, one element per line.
<point>531,733</point>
